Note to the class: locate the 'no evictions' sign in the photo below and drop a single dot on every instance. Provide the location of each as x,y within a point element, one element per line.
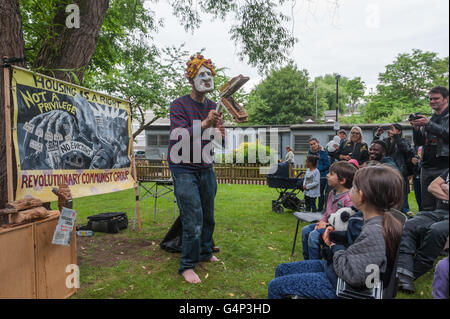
<point>68,134</point>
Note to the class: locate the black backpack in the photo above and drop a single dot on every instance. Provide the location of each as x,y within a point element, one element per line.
<point>172,241</point>
<point>108,222</point>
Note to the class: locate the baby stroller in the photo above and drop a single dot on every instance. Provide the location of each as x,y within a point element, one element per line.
<point>288,188</point>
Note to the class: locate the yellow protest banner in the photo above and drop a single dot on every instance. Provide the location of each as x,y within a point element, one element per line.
<point>64,133</point>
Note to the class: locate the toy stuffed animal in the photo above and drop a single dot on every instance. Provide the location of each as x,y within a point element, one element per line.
<point>339,220</point>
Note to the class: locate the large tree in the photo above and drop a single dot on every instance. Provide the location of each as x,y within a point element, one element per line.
<point>326,93</point>
<point>106,26</point>
<point>355,89</point>
<point>149,78</point>
<point>11,45</point>
<point>403,85</point>
<point>411,75</point>
<point>285,96</point>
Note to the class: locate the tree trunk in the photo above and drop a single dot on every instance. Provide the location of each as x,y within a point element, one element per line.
<point>72,48</point>
<point>11,45</point>
<point>65,48</point>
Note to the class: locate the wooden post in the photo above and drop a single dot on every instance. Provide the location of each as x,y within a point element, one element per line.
<point>138,210</point>
<point>8,139</point>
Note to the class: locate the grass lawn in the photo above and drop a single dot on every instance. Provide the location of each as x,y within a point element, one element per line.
<point>253,241</point>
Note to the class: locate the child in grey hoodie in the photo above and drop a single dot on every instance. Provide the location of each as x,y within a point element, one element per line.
<point>311,183</point>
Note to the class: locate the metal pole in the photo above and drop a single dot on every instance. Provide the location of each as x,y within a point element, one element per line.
<point>337,98</point>
<point>315,89</point>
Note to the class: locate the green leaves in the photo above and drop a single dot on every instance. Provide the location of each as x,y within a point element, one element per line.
<point>149,78</point>
<point>283,97</point>
<point>355,89</point>
<point>260,30</point>
<point>261,34</point>
<point>404,85</point>
<point>412,75</point>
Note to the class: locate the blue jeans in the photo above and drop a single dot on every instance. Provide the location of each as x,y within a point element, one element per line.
<point>305,278</point>
<point>310,242</point>
<point>195,193</point>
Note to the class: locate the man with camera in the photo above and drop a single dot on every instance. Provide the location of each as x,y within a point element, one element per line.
<point>401,153</point>
<point>432,134</point>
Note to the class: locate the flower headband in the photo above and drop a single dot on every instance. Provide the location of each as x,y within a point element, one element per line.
<point>195,63</point>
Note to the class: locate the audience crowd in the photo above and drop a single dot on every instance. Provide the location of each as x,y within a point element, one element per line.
<point>374,180</point>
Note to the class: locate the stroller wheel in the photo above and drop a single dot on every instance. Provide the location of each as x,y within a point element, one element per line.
<point>301,206</point>
<point>276,207</point>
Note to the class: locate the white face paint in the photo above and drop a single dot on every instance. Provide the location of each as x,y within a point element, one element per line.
<point>204,80</point>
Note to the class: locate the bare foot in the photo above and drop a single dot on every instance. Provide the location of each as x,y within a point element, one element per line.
<point>191,277</point>
<point>213,259</point>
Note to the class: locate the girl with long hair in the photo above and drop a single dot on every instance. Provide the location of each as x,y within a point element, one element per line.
<point>376,191</point>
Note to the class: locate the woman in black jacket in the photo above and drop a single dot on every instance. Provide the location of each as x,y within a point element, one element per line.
<point>401,152</point>
<point>355,147</point>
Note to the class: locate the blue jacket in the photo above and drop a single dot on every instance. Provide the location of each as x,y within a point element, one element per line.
<point>324,162</point>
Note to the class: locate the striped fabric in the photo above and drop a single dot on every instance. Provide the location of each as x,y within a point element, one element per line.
<point>183,112</point>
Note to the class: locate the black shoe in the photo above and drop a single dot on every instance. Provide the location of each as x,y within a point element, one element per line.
<point>406,284</point>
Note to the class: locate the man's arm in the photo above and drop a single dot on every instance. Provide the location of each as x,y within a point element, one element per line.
<point>435,188</point>
<point>378,134</point>
<point>418,136</point>
<point>340,151</point>
<point>440,130</point>
<point>405,148</point>
<point>179,119</point>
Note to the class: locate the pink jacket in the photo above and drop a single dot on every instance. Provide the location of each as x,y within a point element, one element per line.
<point>342,200</point>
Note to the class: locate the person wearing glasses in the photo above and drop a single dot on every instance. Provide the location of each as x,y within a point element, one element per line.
<point>354,147</point>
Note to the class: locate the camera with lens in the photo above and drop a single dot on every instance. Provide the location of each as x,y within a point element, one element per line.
<point>414,116</point>
<point>385,127</point>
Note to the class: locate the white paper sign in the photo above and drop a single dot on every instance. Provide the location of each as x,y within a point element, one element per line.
<point>64,229</point>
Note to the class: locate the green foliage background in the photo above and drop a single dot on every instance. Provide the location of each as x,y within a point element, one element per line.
<point>241,154</point>
<point>286,95</point>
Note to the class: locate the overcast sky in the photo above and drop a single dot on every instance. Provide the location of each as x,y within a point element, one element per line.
<point>356,38</point>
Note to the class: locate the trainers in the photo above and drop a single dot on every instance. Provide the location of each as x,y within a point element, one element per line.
<point>406,284</point>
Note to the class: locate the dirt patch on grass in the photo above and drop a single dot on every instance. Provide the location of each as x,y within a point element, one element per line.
<point>109,249</point>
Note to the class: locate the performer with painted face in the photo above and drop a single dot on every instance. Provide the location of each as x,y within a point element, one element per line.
<point>191,165</point>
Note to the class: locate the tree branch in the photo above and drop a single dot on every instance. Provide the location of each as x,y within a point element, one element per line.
<point>142,127</point>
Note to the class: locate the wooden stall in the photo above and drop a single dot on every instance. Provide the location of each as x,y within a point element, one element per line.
<point>31,266</point>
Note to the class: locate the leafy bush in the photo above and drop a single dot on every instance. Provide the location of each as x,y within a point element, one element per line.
<point>248,153</point>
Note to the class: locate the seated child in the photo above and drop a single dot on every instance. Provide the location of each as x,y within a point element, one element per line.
<point>340,177</point>
<point>342,239</point>
<point>375,246</point>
